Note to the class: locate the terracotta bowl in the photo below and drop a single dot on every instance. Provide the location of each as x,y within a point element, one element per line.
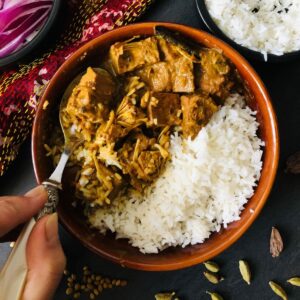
<point>119,250</point>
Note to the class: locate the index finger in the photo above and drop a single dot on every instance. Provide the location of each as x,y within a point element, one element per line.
<point>15,210</point>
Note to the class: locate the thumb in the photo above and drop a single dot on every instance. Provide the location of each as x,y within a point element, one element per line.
<point>45,259</point>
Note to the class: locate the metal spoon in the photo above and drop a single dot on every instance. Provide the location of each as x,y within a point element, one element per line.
<point>53,183</point>
<point>13,275</point>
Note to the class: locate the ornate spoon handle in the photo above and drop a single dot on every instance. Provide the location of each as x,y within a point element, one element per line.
<point>53,184</point>
<point>14,272</point>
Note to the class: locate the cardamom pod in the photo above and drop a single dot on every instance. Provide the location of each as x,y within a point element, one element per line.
<point>293,163</point>
<point>164,296</point>
<point>245,271</point>
<point>294,281</point>
<point>215,296</point>
<point>276,243</point>
<point>212,266</point>
<point>278,290</point>
<point>213,278</point>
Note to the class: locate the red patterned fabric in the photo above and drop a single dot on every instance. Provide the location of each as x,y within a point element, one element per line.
<point>19,99</point>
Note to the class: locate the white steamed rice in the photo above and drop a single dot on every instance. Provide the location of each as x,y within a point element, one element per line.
<point>204,186</point>
<point>267,26</point>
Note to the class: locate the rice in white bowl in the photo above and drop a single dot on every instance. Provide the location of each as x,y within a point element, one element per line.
<point>267,26</point>
<point>204,186</point>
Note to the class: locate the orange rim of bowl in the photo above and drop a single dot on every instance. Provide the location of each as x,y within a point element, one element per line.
<point>270,161</point>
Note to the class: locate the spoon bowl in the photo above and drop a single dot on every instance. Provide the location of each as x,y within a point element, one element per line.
<point>68,138</point>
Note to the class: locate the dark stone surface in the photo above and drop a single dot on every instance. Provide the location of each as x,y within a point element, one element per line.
<point>282,209</point>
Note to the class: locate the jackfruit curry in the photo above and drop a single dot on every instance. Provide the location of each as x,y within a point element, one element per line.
<point>126,110</point>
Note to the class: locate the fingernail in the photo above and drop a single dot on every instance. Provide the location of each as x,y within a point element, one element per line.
<point>37,191</point>
<point>51,228</point>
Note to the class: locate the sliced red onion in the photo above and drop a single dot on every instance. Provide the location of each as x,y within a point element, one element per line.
<point>7,36</point>
<point>19,19</point>
<point>7,23</point>
<point>10,3</point>
<point>9,15</point>
<point>17,37</point>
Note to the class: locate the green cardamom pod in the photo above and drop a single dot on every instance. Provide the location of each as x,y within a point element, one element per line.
<point>164,296</point>
<point>278,290</point>
<point>215,296</point>
<point>212,277</point>
<point>294,281</point>
<point>245,271</point>
<point>212,266</point>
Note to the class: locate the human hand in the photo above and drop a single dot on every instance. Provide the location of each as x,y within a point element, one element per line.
<point>45,258</point>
